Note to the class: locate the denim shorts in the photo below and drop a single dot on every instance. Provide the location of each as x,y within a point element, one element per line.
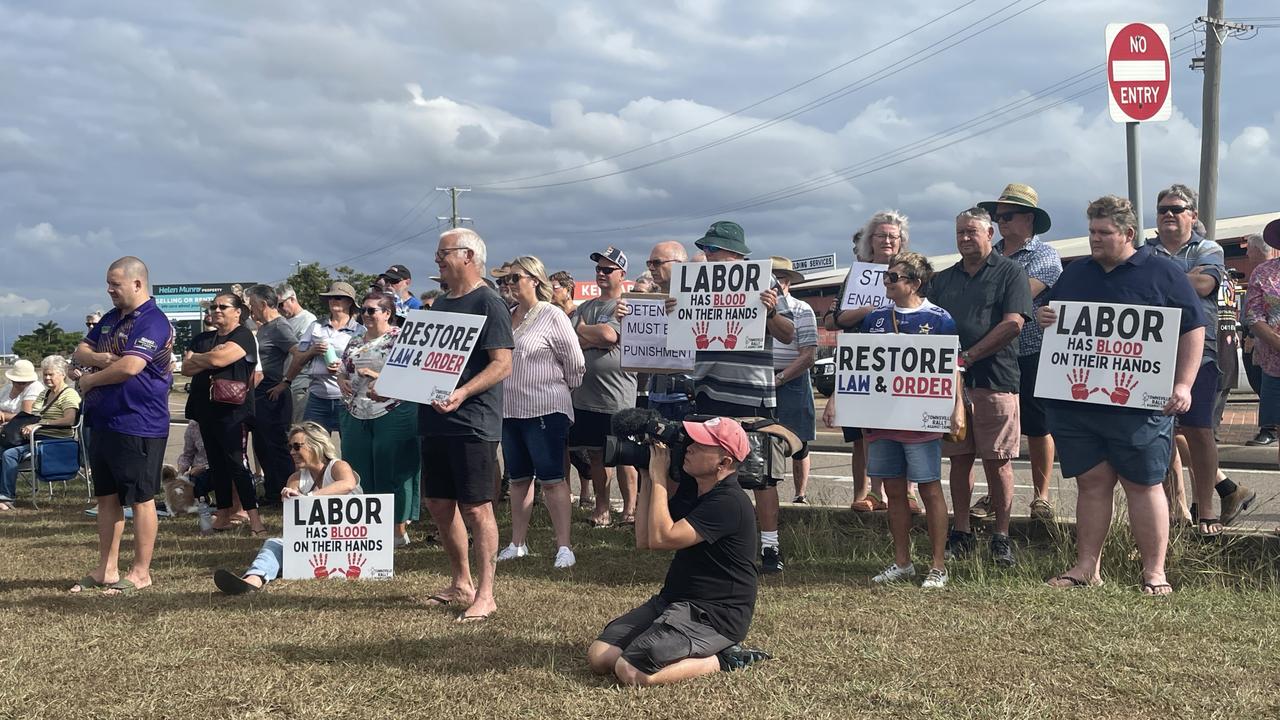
<point>1136,444</point>
<point>1204,393</point>
<point>327,413</point>
<point>918,462</point>
<point>534,447</point>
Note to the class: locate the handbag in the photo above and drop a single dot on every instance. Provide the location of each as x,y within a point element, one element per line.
<point>57,460</point>
<point>11,436</point>
<point>227,391</point>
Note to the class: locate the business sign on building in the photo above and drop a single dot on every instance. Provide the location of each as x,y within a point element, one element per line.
<point>187,301</point>
<point>814,265</point>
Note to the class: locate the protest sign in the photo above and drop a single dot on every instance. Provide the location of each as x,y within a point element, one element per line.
<point>1110,354</point>
<point>428,358</point>
<point>643,337</point>
<point>896,382</point>
<point>718,305</point>
<point>338,536</point>
<point>864,285</point>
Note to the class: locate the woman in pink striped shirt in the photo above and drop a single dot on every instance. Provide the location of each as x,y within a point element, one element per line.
<point>546,365</point>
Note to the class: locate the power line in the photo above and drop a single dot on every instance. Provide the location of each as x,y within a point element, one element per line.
<point>864,82</point>
<point>869,166</point>
<point>740,110</point>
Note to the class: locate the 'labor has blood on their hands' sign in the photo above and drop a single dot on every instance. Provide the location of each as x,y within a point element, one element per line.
<point>339,537</point>
<point>1118,355</point>
<point>863,286</point>
<point>1138,78</point>
<point>429,355</point>
<point>718,305</point>
<point>896,382</point>
<point>643,337</point>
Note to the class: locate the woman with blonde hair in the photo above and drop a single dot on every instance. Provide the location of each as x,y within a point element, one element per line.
<point>319,473</point>
<point>546,365</point>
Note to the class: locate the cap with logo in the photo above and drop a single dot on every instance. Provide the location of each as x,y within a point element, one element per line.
<point>613,255</point>
<point>720,432</point>
<point>396,273</point>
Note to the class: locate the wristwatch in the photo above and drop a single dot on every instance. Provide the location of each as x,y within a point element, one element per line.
<point>964,358</point>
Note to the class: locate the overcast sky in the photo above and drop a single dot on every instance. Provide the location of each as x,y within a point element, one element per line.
<point>224,141</point>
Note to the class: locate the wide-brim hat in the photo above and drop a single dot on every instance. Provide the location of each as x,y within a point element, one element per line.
<point>725,235</point>
<point>340,289</point>
<point>22,371</point>
<point>1271,234</point>
<point>1025,196</point>
<point>783,267</point>
<point>500,271</point>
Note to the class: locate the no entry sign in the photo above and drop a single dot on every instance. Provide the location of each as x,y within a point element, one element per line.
<point>1138,72</point>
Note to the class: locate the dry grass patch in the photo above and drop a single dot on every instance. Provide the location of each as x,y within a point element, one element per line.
<point>995,644</point>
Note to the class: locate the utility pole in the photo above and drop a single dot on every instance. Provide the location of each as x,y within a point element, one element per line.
<point>1215,32</point>
<point>454,220</point>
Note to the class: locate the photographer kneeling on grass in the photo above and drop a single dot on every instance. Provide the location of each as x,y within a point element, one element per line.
<point>693,625</point>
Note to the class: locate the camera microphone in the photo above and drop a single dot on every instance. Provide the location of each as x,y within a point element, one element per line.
<point>633,422</point>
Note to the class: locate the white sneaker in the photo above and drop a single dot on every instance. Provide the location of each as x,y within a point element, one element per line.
<point>402,540</point>
<point>513,552</point>
<point>893,573</point>
<point>935,580</point>
<point>565,557</point>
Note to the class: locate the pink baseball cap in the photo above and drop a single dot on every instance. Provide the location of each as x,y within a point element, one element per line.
<point>721,432</point>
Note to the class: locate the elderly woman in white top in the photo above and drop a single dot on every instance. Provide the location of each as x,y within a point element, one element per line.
<point>57,406</point>
<point>380,434</point>
<point>319,473</point>
<point>546,365</point>
<point>19,394</point>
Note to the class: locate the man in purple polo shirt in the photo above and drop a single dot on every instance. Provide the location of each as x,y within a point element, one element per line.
<point>126,404</point>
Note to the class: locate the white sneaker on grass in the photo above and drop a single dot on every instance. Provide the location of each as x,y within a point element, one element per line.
<point>565,557</point>
<point>401,540</point>
<point>935,580</point>
<point>513,552</point>
<point>893,573</point>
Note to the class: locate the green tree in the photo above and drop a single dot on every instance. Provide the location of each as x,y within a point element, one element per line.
<point>308,281</point>
<point>45,340</point>
<point>360,281</point>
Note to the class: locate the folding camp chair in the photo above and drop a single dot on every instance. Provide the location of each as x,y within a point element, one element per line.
<point>54,460</point>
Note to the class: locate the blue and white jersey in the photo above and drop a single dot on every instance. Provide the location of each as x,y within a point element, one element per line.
<point>927,319</point>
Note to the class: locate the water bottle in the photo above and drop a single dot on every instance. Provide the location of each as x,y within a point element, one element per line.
<point>330,355</point>
<point>206,516</point>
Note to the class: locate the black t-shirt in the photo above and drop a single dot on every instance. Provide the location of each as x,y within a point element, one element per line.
<point>480,416</point>
<point>978,303</point>
<point>199,407</point>
<point>718,576</point>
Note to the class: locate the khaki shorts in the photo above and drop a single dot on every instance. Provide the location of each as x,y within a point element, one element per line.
<point>994,426</point>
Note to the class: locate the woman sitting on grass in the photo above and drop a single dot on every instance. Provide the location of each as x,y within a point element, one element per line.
<point>900,456</point>
<point>319,473</point>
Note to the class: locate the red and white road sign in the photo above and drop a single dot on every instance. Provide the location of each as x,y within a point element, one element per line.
<point>1138,72</point>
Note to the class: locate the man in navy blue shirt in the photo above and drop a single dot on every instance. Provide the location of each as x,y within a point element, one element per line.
<point>126,404</point>
<point>1100,444</point>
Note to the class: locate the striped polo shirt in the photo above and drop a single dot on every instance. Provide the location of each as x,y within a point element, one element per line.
<point>744,377</point>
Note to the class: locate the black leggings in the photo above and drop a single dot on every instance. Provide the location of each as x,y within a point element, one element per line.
<point>224,445</point>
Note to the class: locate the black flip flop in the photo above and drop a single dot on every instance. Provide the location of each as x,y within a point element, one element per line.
<point>1149,589</point>
<point>1076,583</point>
<point>232,584</point>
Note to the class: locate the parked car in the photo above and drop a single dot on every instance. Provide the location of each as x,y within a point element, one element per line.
<point>823,371</point>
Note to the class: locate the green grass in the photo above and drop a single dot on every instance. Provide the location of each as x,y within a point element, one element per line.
<point>994,645</point>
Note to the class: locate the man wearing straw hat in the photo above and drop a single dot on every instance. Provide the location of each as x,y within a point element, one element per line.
<point>1022,221</point>
<point>791,363</point>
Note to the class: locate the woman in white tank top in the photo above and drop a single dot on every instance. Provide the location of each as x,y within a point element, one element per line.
<point>315,457</point>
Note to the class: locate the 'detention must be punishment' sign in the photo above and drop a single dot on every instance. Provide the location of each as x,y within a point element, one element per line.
<point>1120,355</point>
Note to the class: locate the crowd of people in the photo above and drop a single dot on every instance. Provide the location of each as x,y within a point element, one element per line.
<point>539,392</point>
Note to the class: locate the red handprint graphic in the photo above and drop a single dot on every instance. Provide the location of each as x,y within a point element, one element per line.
<point>1078,379</point>
<point>320,565</point>
<point>1124,383</point>
<point>700,335</point>
<point>730,339</point>
<point>355,561</point>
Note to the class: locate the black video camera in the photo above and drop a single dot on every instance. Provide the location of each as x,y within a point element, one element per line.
<point>635,430</point>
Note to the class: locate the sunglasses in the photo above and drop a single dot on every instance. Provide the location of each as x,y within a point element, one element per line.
<point>1171,209</point>
<point>369,310</point>
<point>221,306</point>
<point>511,279</point>
<point>297,446</point>
<point>442,252</point>
<point>655,264</point>
<point>606,270</point>
<point>1007,216</point>
<point>892,277</point>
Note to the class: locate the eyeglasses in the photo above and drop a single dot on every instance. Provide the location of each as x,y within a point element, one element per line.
<point>601,270</point>
<point>1171,209</point>
<point>511,278</point>
<point>655,264</point>
<point>442,252</point>
<point>369,310</point>
<point>1007,216</point>
<point>891,278</point>
<point>885,236</point>
<point>220,306</point>
<point>297,446</point>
